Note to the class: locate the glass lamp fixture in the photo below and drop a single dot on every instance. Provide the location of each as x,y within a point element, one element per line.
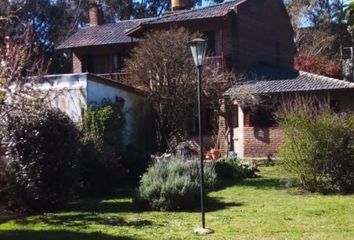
<point>199,48</point>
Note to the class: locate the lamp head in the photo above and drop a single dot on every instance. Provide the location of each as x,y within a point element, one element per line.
<point>199,48</point>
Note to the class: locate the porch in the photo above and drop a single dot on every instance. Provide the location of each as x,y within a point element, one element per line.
<point>218,64</point>
<point>252,103</point>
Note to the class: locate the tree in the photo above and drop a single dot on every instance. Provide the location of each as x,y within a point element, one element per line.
<point>22,64</point>
<point>163,65</point>
<point>320,32</point>
<point>350,18</point>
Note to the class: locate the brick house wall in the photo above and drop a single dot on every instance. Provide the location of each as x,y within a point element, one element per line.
<point>258,142</point>
<point>261,142</point>
<point>263,34</point>
<point>255,32</point>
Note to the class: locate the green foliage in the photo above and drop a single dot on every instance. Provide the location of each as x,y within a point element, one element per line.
<point>319,147</point>
<point>259,208</point>
<point>2,96</point>
<point>233,168</point>
<point>143,135</point>
<point>173,185</point>
<point>41,169</point>
<point>101,155</point>
<point>104,125</point>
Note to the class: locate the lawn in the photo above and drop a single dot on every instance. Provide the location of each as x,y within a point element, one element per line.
<point>260,208</point>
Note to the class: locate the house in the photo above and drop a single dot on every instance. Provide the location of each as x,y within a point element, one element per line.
<point>73,93</point>
<point>254,132</point>
<point>240,34</point>
<point>249,37</point>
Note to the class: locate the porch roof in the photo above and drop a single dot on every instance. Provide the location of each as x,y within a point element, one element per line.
<point>271,80</point>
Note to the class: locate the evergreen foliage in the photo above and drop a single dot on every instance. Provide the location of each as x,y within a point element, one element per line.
<point>173,185</point>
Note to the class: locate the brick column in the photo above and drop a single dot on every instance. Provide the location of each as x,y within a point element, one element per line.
<point>77,64</point>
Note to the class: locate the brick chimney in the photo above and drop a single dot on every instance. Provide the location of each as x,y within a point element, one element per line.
<point>95,15</point>
<point>177,5</point>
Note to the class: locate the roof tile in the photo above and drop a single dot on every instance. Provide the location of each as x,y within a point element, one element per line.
<point>115,33</point>
<point>110,33</point>
<point>281,81</point>
<point>217,10</point>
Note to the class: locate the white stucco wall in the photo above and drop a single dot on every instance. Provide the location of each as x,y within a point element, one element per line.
<point>97,91</point>
<point>72,93</point>
<point>66,92</point>
<point>238,139</point>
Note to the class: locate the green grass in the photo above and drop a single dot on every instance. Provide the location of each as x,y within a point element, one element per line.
<point>252,209</point>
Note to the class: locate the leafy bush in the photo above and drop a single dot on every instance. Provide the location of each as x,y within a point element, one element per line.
<point>173,185</point>
<point>319,146</point>
<point>102,152</point>
<point>103,124</point>
<point>41,159</point>
<point>321,66</point>
<point>232,168</point>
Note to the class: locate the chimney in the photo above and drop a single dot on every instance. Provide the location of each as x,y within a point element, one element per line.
<point>95,15</point>
<point>177,5</point>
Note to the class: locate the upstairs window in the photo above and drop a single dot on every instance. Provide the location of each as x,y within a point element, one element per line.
<point>210,37</point>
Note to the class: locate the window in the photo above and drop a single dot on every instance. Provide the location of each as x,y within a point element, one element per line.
<point>210,36</point>
<point>261,117</point>
<point>335,106</point>
<point>115,63</point>
<point>234,116</point>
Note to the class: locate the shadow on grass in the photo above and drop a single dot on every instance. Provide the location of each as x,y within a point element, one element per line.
<point>56,235</point>
<point>212,204</point>
<point>120,201</point>
<point>259,183</point>
<point>106,206</point>
<point>4,219</point>
<point>84,220</point>
<point>215,204</point>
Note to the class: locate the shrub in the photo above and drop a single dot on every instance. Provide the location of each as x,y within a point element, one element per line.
<point>173,185</point>
<point>41,158</point>
<point>232,168</point>
<point>319,146</point>
<point>102,152</point>
<point>326,67</point>
<point>103,124</point>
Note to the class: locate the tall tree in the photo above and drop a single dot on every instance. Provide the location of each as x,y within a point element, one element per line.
<point>162,63</point>
<point>320,32</point>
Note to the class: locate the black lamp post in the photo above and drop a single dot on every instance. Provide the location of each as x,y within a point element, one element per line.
<point>199,48</point>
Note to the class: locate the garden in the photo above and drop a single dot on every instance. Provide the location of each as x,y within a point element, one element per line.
<point>66,180</point>
<point>255,208</point>
<point>85,186</point>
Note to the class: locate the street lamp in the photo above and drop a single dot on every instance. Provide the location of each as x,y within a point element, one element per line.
<point>199,48</point>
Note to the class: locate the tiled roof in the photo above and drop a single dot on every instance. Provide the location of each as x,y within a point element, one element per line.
<point>110,33</point>
<point>217,10</point>
<point>115,33</point>
<point>282,81</point>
